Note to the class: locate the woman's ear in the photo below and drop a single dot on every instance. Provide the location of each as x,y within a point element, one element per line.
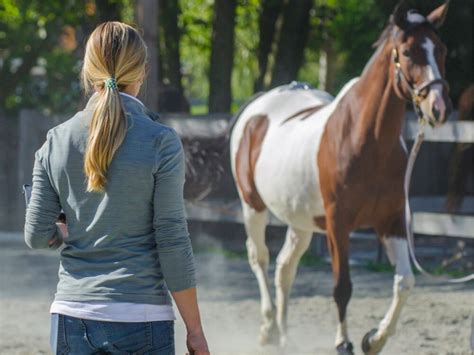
<point>437,16</point>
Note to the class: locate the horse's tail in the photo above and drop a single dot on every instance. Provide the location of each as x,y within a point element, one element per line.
<point>207,160</point>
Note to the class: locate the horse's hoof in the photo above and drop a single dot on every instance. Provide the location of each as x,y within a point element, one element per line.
<point>366,341</point>
<point>269,335</point>
<point>345,348</point>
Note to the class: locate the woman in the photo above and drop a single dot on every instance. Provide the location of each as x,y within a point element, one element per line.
<point>118,176</point>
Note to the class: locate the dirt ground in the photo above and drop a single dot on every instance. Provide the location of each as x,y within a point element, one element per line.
<point>436,320</point>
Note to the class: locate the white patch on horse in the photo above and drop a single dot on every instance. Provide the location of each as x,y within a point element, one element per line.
<point>342,335</point>
<point>403,282</point>
<point>286,172</point>
<point>403,144</point>
<point>414,17</point>
<point>431,72</point>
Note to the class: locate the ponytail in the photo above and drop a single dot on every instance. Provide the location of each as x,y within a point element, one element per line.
<point>107,131</point>
<point>115,57</point>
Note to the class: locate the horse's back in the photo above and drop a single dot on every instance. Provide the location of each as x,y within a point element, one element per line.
<point>278,136</point>
<point>277,105</point>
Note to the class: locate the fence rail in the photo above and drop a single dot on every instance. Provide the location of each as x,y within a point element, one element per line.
<point>428,216</point>
<point>429,223</point>
<point>450,132</point>
<point>23,137</point>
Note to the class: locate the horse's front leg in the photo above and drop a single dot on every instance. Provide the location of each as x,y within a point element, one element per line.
<point>338,243</point>
<point>397,251</point>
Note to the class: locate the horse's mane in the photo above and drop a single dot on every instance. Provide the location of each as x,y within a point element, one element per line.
<point>384,35</point>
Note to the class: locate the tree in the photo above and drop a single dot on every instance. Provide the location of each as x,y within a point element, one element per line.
<point>269,13</point>
<point>41,48</point>
<point>146,14</point>
<point>171,88</point>
<point>222,56</point>
<point>292,41</point>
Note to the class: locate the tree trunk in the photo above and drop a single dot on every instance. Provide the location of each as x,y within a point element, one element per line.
<point>327,66</point>
<point>169,43</point>
<point>222,56</point>
<point>171,92</point>
<point>292,41</point>
<point>146,15</point>
<point>108,10</point>
<point>270,11</point>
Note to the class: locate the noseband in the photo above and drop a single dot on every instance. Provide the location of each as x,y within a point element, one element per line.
<point>416,92</point>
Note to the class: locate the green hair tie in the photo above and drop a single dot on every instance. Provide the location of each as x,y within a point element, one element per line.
<point>110,83</point>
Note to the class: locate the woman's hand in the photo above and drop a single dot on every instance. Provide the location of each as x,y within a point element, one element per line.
<point>196,343</point>
<point>186,301</point>
<point>58,240</point>
<point>63,229</point>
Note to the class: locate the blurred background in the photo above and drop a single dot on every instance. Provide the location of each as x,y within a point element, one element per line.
<point>207,55</point>
<point>206,59</point>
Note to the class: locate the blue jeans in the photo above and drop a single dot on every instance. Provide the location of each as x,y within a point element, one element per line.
<point>75,336</point>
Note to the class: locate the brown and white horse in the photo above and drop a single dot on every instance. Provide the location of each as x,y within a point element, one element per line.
<point>333,165</point>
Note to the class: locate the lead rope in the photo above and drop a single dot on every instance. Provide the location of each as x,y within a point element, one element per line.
<point>408,220</point>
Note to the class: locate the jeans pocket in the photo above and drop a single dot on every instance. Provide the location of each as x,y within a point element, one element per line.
<point>163,338</point>
<point>132,338</point>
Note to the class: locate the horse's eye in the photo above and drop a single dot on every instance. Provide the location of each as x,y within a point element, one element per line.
<point>406,53</point>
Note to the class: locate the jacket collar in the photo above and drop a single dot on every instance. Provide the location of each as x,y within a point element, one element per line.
<point>131,105</point>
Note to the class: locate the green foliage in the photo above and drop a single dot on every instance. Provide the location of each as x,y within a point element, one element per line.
<point>196,26</point>
<point>35,71</point>
<point>195,22</point>
<point>309,260</point>
<point>246,42</point>
<point>379,267</point>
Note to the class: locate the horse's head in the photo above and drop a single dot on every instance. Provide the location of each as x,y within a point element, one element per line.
<point>418,61</point>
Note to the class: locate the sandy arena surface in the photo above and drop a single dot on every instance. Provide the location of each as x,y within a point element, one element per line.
<point>436,319</point>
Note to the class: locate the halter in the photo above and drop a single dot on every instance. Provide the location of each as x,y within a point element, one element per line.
<point>416,92</point>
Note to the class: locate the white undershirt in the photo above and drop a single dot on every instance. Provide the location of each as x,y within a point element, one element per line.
<point>114,311</point>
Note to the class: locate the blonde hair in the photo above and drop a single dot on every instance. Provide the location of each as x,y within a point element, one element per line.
<point>115,57</point>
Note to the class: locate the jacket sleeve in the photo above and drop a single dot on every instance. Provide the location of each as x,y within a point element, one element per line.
<point>44,207</point>
<point>169,221</point>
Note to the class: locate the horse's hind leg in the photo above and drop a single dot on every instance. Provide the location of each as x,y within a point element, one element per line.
<point>296,243</point>
<point>255,223</point>
<point>397,251</point>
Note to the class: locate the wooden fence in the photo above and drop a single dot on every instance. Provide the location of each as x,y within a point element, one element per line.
<point>27,135</point>
<point>428,211</point>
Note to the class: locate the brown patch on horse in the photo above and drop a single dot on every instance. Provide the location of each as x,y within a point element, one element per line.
<point>246,159</point>
<point>305,112</point>
<point>320,221</point>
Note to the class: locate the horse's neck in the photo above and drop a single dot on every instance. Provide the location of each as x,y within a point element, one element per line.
<point>380,110</point>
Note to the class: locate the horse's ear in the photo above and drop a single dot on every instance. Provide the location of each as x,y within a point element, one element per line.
<point>437,16</point>
<point>399,15</point>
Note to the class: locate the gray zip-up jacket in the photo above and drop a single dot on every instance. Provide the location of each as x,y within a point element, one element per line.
<point>130,243</point>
